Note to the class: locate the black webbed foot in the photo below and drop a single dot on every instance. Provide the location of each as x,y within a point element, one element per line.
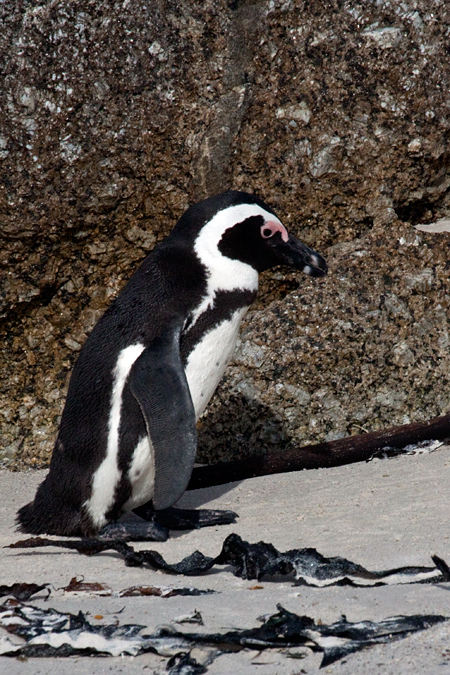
<point>186,519</point>
<point>192,519</point>
<point>149,531</point>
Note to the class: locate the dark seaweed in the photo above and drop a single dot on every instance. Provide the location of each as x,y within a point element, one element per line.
<point>284,629</point>
<point>22,591</point>
<point>253,561</point>
<point>184,664</point>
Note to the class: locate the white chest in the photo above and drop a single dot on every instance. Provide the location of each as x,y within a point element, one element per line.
<point>209,359</point>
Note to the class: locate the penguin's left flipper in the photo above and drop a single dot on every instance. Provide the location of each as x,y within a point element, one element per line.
<point>158,381</point>
<point>185,519</point>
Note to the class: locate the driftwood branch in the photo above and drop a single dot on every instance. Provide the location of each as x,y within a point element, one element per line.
<point>335,453</point>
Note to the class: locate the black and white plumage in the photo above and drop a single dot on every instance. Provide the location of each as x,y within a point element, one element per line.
<point>128,431</point>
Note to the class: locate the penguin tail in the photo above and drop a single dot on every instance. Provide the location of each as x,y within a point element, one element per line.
<point>50,513</point>
<point>27,521</point>
<point>33,519</point>
<point>57,507</point>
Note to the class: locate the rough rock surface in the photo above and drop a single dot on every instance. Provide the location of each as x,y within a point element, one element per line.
<point>114,116</point>
<point>363,349</point>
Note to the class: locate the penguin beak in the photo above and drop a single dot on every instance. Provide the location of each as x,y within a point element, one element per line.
<point>296,254</point>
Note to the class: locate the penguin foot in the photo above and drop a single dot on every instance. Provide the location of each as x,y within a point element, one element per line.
<point>148,531</point>
<point>191,519</point>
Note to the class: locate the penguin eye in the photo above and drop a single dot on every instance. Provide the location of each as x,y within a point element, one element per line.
<point>272,227</point>
<point>266,232</point>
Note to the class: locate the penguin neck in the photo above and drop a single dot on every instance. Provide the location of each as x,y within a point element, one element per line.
<point>222,274</point>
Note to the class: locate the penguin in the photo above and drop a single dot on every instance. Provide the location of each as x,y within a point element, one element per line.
<point>127,437</point>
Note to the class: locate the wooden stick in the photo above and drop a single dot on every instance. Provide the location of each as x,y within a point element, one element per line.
<point>335,453</point>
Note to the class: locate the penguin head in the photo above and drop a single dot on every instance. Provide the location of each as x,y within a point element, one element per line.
<point>262,241</point>
<point>241,227</point>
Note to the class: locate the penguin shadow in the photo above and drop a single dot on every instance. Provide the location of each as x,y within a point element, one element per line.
<point>233,429</point>
<point>198,498</point>
<point>238,427</point>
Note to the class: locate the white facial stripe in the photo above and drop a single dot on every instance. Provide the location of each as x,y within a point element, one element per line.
<point>210,235</point>
<point>224,273</point>
<point>107,476</point>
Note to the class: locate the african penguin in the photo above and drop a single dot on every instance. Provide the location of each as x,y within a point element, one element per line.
<point>127,437</point>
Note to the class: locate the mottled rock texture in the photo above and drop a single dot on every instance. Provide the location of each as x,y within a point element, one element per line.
<point>114,116</point>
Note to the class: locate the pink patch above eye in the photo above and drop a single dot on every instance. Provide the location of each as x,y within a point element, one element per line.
<point>271,227</point>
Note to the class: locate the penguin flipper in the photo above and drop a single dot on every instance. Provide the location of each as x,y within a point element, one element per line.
<point>158,381</point>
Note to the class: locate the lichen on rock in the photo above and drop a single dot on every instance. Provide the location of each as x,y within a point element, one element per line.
<point>363,349</point>
<point>115,116</point>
